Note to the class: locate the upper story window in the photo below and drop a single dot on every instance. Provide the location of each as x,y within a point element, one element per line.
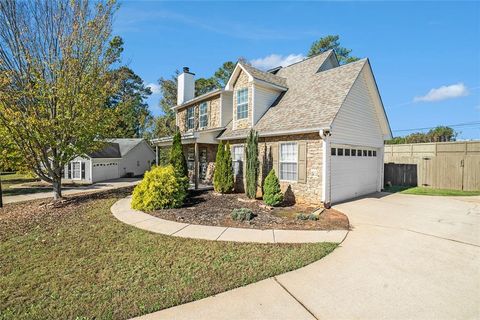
<point>190,118</point>
<point>203,115</point>
<point>237,159</point>
<point>288,161</point>
<point>242,103</point>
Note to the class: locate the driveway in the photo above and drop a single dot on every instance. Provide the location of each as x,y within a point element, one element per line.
<point>407,257</point>
<point>96,187</point>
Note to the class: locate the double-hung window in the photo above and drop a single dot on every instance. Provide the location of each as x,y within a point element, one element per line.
<point>242,103</point>
<point>203,115</point>
<point>288,161</point>
<point>190,118</point>
<point>237,159</point>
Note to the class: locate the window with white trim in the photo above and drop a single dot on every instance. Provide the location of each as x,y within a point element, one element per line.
<point>190,118</point>
<point>203,115</point>
<point>237,160</point>
<point>242,103</point>
<point>288,161</point>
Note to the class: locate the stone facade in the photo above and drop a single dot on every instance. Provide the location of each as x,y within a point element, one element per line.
<point>213,107</point>
<point>241,83</point>
<point>309,192</point>
<point>208,153</point>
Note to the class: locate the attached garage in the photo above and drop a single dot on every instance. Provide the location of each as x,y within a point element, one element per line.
<point>355,171</point>
<point>105,170</point>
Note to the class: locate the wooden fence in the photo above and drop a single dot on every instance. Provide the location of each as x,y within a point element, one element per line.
<point>445,165</point>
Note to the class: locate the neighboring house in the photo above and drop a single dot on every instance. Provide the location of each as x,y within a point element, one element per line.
<point>118,158</point>
<point>321,126</point>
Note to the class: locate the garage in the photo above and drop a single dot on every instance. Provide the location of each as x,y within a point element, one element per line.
<point>354,171</point>
<point>105,170</point>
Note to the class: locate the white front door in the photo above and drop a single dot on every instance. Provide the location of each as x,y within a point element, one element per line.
<point>76,170</point>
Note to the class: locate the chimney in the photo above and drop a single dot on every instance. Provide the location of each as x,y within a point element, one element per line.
<point>185,86</point>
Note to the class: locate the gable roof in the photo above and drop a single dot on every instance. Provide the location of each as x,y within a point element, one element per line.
<point>312,100</point>
<point>116,148</point>
<point>264,76</point>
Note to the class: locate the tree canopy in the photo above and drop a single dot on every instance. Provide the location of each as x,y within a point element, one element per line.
<point>330,42</point>
<point>437,134</point>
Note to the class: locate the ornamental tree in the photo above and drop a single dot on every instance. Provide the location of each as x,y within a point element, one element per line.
<point>272,194</point>
<point>252,164</point>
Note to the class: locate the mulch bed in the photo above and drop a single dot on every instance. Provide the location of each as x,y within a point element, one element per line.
<point>208,208</point>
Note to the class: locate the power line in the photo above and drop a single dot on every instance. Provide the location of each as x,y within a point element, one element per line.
<point>465,124</point>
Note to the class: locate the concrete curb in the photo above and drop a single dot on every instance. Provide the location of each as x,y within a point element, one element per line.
<point>122,211</point>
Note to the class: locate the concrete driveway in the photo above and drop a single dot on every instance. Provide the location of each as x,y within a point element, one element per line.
<point>407,257</point>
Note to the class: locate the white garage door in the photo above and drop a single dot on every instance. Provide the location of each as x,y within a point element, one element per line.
<point>105,171</point>
<point>354,172</point>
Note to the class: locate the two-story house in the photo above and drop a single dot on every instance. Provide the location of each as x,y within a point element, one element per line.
<point>321,126</point>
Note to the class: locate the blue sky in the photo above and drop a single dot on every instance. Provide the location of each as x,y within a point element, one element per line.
<point>425,55</point>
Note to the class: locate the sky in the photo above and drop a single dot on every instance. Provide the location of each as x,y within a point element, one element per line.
<point>425,55</point>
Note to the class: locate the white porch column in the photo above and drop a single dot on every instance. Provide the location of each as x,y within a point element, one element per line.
<point>326,178</point>
<point>156,155</point>
<point>196,167</point>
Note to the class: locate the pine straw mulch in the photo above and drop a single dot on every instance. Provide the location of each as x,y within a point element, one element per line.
<point>209,208</point>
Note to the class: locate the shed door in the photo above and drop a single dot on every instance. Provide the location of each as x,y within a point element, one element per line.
<point>355,171</point>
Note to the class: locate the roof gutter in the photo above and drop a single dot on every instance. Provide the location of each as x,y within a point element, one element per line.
<point>199,98</point>
<point>279,133</point>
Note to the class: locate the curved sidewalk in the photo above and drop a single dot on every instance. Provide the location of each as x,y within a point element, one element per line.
<point>122,211</point>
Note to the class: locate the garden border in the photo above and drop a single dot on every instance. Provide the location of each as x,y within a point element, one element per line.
<point>122,211</point>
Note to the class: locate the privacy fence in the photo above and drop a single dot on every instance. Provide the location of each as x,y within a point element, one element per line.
<point>445,165</point>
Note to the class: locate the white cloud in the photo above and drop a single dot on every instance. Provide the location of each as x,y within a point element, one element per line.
<point>443,93</point>
<point>276,60</point>
<point>154,87</point>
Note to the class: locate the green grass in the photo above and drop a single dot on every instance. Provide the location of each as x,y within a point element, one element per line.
<point>430,191</point>
<point>85,263</point>
<point>9,180</point>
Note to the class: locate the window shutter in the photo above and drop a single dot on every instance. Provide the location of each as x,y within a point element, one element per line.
<point>83,170</point>
<point>274,151</point>
<point>302,162</point>
<point>69,170</point>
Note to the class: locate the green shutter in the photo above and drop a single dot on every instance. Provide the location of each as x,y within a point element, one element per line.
<point>302,162</point>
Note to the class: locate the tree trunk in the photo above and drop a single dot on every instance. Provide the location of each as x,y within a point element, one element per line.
<point>57,188</point>
<point>1,200</point>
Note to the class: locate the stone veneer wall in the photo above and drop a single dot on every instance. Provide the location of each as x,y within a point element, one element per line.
<point>211,155</point>
<point>309,192</point>
<point>240,83</point>
<point>213,105</point>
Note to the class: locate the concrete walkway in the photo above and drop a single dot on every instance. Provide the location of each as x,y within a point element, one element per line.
<point>123,212</point>
<point>408,257</point>
<point>96,187</point>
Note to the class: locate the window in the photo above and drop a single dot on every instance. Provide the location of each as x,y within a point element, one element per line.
<point>340,152</point>
<point>76,170</point>
<point>369,153</point>
<point>354,152</point>
<point>359,152</point>
<point>190,118</point>
<point>288,161</point>
<point>374,153</point>
<point>237,159</point>
<point>242,103</point>
<point>334,151</point>
<point>364,153</point>
<point>347,152</point>
<point>203,115</point>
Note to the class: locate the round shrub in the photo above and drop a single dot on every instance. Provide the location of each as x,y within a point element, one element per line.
<point>272,194</point>
<point>242,214</point>
<point>160,188</point>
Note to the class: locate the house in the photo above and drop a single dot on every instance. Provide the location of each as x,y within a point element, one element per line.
<point>118,158</point>
<point>321,126</point>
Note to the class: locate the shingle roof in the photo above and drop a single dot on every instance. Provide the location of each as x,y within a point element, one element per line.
<point>116,148</point>
<point>312,100</point>
<point>264,76</point>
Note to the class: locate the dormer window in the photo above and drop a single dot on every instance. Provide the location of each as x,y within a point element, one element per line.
<point>203,115</point>
<point>190,118</point>
<point>242,103</point>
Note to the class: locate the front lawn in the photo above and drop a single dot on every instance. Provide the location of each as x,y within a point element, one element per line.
<point>79,261</point>
<point>430,191</point>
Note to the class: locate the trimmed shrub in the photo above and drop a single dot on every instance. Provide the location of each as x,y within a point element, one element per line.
<point>219,164</point>
<point>160,188</point>
<point>303,216</point>
<point>223,176</point>
<point>252,164</point>
<point>272,194</point>
<point>177,159</point>
<point>242,214</point>
<point>228,167</point>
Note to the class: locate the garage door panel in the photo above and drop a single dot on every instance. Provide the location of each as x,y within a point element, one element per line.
<point>105,171</point>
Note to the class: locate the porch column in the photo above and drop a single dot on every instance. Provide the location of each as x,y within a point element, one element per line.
<point>196,168</point>
<point>156,155</point>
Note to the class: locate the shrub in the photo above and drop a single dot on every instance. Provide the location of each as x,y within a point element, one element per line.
<point>252,164</point>
<point>160,188</point>
<point>303,216</point>
<point>272,194</point>
<point>177,159</point>
<point>242,214</point>
<point>223,176</point>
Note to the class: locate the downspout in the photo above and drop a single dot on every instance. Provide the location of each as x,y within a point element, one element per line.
<point>326,174</point>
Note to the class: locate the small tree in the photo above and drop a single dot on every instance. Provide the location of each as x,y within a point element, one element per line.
<point>228,170</point>
<point>252,164</point>
<point>272,194</point>
<point>177,159</point>
<point>218,174</point>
